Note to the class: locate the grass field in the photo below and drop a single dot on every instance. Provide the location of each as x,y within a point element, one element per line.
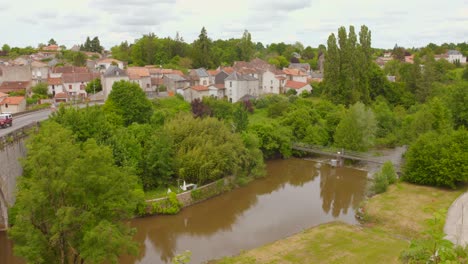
<point>392,220</point>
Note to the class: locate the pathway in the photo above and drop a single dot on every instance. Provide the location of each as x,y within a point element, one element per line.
<point>456,224</point>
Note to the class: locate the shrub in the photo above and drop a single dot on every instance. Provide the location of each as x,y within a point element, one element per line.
<point>380,184</point>
<point>389,172</point>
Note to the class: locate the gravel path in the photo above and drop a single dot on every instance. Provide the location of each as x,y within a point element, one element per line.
<point>456,224</point>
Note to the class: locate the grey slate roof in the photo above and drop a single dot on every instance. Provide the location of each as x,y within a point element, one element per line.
<point>174,77</point>
<point>113,71</point>
<point>453,52</point>
<point>201,72</point>
<point>235,76</point>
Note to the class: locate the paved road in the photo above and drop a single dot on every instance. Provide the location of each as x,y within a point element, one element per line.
<point>456,224</point>
<point>26,119</point>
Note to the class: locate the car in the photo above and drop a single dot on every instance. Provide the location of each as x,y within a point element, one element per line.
<point>6,120</point>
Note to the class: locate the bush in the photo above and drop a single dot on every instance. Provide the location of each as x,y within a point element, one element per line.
<point>380,184</point>
<point>438,159</point>
<point>389,172</point>
<point>169,206</point>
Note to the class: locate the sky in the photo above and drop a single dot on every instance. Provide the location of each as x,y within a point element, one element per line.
<point>408,23</point>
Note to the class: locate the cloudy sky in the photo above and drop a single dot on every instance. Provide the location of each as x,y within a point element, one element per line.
<point>410,23</point>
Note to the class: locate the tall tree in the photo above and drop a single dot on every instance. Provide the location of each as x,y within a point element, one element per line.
<point>201,51</point>
<point>246,46</point>
<point>347,66</point>
<point>71,202</point>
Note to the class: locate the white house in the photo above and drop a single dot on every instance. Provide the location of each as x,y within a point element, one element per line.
<point>112,75</point>
<point>196,92</point>
<point>238,85</point>
<point>272,83</point>
<point>104,64</point>
<point>199,77</point>
<point>13,104</point>
<point>55,85</point>
<point>217,90</point>
<point>75,83</point>
<point>455,55</point>
<point>298,86</point>
<point>295,75</point>
<point>39,72</point>
<point>141,76</point>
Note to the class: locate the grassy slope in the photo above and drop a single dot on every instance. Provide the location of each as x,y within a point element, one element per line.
<point>394,218</point>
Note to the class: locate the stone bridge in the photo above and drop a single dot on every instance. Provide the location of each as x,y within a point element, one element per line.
<point>12,149</point>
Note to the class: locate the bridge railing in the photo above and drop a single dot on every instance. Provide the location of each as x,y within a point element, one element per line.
<point>335,150</point>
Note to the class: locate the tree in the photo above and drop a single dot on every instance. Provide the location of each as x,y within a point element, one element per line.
<point>347,66</point>
<point>201,52</point>
<point>40,89</point>
<point>356,131</point>
<point>240,118</point>
<point>438,159</point>
<point>52,42</point>
<point>6,48</point>
<point>128,101</point>
<point>79,59</point>
<point>464,74</point>
<point>71,202</point>
<point>246,46</point>
<point>94,86</point>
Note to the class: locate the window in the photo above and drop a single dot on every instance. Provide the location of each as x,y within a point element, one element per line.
<point>69,87</point>
<point>147,85</point>
<point>271,82</point>
<point>230,84</point>
<point>204,82</point>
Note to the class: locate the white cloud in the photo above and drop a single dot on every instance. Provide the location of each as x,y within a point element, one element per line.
<point>408,23</point>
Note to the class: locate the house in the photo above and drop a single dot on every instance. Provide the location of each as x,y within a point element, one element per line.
<point>69,69</point>
<point>221,76</point>
<point>196,92</point>
<point>104,64</point>
<point>295,75</point>
<point>39,72</point>
<point>13,104</point>
<point>212,74</point>
<point>15,73</point>
<point>75,83</point>
<point>174,82</point>
<point>315,76</point>
<point>199,77</point>
<point>455,56</point>
<point>52,48</point>
<point>238,85</point>
<point>272,82</point>
<point>55,85</point>
<point>16,87</point>
<point>305,67</point>
<point>113,74</point>
<point>217,90</point>
<point>62,98</point>
<point>141,76</point>
<point>299,87</point>
<point>409,59</point>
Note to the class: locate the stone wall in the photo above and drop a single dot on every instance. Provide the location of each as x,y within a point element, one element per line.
<point>12,149</point>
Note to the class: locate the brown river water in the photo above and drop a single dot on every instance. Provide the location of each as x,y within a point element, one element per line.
<point>296,194</point>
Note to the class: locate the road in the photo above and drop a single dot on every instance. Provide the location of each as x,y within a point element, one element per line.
<point>26,119</point>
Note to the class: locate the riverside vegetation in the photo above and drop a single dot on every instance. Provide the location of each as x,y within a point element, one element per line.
<point>87,170</point>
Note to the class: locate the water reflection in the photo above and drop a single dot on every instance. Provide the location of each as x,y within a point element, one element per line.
<point>296,194</point>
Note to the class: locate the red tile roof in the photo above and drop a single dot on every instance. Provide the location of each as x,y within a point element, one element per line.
<point>61,95</point>
<point>14,100</point>
<point>199,88</point>
<point>228,70</point>
<point>3,94</point>
<point>294,72</point>
<point>54,81</point>
<point>213,72</point>
<point>138,72</point>
<point>79,77</point>
<point>157,81</point>
<point>70,69</point>
<point>7,87</point>
<point>295,85</point>
<point>220,86</point>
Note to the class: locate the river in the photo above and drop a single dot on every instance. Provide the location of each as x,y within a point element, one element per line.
<point>296,194</point>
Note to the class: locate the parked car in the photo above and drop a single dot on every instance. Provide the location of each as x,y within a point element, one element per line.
<point>6,120</point>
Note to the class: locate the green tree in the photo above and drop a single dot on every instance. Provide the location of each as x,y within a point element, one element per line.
<point>6,48</point>
<point>438,159</point>
<point>52,42</point>
<point>274,139</point>
<point>246,47</point>
<point>240,119</point>
<point>128,101</point>
<point>458,104</point>
<point>356,131</point>
<point>201,52</point>
<point>94,86</point>
<point>464,74</point>
<point>40,89</point>
<point>347,66</point>
<point>79,59</point>
<point>71,202</point>
<point>158,161</point>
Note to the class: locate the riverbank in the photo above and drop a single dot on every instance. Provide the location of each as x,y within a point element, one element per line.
<point>392,219</point>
